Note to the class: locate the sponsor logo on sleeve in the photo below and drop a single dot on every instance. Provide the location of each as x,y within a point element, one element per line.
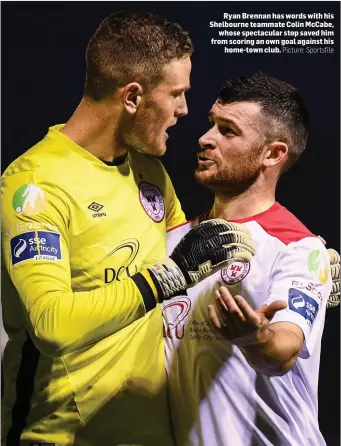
<point>235,272</point>
<point>152,201</point>
<point>29,200</point>
<point>310,287</point>
<point>304,305</point>
<point>318,266</point>
<point>36,245</point>
<point>29,226</point>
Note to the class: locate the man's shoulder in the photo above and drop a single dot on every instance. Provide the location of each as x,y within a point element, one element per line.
<point>41,159</point>
<point>283,225</point>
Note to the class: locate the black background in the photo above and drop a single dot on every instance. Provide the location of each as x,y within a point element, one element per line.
<point>43,46</point>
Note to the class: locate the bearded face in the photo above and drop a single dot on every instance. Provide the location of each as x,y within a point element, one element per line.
<point>229,161</point>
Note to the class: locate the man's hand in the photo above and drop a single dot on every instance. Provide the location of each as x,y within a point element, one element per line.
<point>205,249</point>
<point>239,322</point>
<point>334,297</point>
<point>269,349</point>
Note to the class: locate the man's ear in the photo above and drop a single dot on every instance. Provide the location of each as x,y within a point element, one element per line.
<point>131,96</point>
<point>276,153</point>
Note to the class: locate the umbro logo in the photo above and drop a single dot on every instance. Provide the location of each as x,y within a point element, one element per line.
<point>96,208</point>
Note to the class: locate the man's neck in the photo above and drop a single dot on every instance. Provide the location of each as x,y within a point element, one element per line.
<point>94,128</point>
<point>247,204</point>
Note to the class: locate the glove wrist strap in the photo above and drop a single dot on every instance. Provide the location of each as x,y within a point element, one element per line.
<point>167,278</point>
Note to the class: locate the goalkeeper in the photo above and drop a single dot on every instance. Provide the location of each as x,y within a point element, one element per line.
<point>84,218</point>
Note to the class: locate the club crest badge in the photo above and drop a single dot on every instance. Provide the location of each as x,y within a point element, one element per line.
<point>152,201</point>
<point>235,272</point>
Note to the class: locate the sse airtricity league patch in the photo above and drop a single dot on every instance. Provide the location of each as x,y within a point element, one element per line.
<point>36,245</point>
<point>304,305</point>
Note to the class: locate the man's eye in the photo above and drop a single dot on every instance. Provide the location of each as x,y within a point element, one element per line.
<point>227,131</point>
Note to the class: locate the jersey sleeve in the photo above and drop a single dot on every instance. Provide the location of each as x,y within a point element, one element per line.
<point>35,220</point>
<point>174,213</point>
<point>301,277</point>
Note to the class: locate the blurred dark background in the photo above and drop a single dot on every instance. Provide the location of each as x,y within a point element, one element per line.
<point>43,47</point>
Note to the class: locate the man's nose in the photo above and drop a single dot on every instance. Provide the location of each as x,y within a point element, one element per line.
<point>182,109</point>
<point>207,140</point>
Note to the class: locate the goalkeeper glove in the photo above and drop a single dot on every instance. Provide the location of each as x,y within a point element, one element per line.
<point>334,297</point>
<point>205,249</point>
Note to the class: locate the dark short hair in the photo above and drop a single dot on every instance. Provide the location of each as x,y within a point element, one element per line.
<point>286,116</point>
<point>132,47</point>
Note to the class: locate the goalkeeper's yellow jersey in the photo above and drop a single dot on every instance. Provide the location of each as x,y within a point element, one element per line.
<point>84,364</point>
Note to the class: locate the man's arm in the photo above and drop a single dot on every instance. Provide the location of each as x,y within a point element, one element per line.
<point>269,349</point>
<point>36,250</point>
<point>292,319</point>
<point>61,320</point>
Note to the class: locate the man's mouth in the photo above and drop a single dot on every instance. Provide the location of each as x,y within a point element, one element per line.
<point>205,162</point>
<point>166,132</point>
<point>203,159</point>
